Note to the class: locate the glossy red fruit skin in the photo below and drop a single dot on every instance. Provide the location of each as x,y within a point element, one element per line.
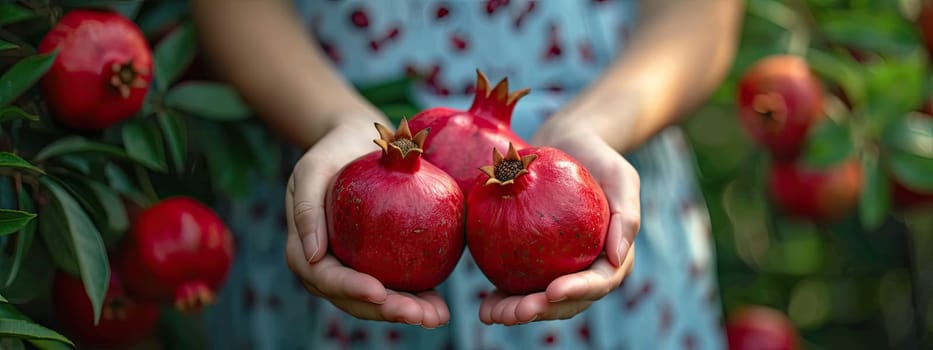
<point>783,85</point>
<point>398,219</point>
<point>175,248</point>
<point>550,222</point>
<point>133,323</point>
<point>820,195</point>
<point>460,141</point>
<point>760,328</point>
<point>78,86</point>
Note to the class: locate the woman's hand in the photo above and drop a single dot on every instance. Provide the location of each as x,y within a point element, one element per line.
<point>569,295</point>
<point>358,294</point>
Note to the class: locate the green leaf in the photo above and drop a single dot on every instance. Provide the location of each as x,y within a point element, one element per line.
<point>102,203</point>
<point>14,113</point>
<point>24,241</point>
<point>78,144</point>
<point>12,344</point>
<point>11,13</point>
<point>36,273</point>
<point>162,16</point>
<point>3,300</point>
<point>911,134</point>
<point>54,232</point>
<point>912,170</point>
<point>14,220</point>
<point>6,45</point>
<point>86,244</point>
<point>208,100</point>
<point>11,160</point>
<point>144,144</point>
<point>23,75</point>
<point>120,182</point>
<point>17,328</point>
<point>828,143</point>
<point>876,31</point>
<point>392,92</point>
<point>895,87</point>
<point>263,150</point>
<point>9,312</point>
<point>173,55</point>
<point>173,129</point>
<point>875,199</point>
<point>845,72</point>
<point>229,169</point>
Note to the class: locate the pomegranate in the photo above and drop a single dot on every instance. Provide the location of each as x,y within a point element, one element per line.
<point>532,216</point>
<point>820,195</point>
<point>779,100</point>
<point>904,197</point>
<point>396,217</point>
<point>760,328</point>
<point>123,320</point>
<point>458,139</point>
<point>924,22</point>
<point>179,250</point>
<point>102,72</point>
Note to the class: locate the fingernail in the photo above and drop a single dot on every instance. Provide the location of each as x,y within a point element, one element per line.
<point>311,246</point>
<point>558,300</point>
<point>529,321</point>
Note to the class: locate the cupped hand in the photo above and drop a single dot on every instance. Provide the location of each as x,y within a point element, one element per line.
<point>570,294</point>
<point>358,294</point>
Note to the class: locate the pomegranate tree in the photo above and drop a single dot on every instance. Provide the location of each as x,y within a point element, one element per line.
<point>532,216</point>
<point>760,328</point>
<point>177,250</point>
<point>779,99</point>
<point>123,321</point>
<point>102,72</point>
<point>396,217</point>
<point>458,139</point>
<point>819,194</point>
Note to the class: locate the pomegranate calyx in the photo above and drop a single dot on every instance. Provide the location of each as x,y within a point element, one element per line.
<point>402,140</point>
<point>126,76</point>
<point>116,308</point>
<point>193,297</point>
<point>772,108</point>
<point>506,169</point>
<point>497,103</point>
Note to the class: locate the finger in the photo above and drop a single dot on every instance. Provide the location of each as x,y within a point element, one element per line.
<point>443,313</point>
<point>307,187</point>
<point>429,316</point>
<point>591,284</point>
<point>487,306</point>
<point>504,311</point>
<point>532,307</point>
<point>330,279</point>
<point>564,310</point>
<point>623,191</point>
<point>397,308</point>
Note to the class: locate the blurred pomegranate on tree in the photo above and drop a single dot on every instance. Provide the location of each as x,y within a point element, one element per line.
<point>779,99</point>
<point>818,194</point>
<point>760,328</point>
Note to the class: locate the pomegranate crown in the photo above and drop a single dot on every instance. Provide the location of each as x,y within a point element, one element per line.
<point>505,170</point>
<point>401,142</point>
<point>497,103</point>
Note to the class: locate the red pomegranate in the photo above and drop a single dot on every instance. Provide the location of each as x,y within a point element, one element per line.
<point>534,215</point>
<point>820,195</point>
<point>924,22</point>
<point>760,328</point>
<point>177,250</point>
<point>396,217</point>
<point>779,99</point>
<point>123,320</point>
<point>459,139</point>
<point>102,72</point>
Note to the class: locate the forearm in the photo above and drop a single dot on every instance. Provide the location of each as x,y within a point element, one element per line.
<point>679,54</point>
<point>261,48</point>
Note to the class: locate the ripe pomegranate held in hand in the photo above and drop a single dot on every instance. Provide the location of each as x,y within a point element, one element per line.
<point>760,328</point>
<point>396,217</point>
<point>177,250</point>
<point>779,100</point>
<point>816,194</point>
<point>535,215</point>
<point>459,139</point>
<point>102,72</point>
<point>123,320</point>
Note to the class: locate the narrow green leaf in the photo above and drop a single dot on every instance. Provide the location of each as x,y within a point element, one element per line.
<point>12,344</point>
<point>3,300</point>
<point>144,144</point>
<point>35,276</point>
<point>24,241</point>
<point>102,203</point>
<point>913,171</point>
<point>11,13</point>
<point>28,330</point>
<point>14,220</point>
<point>895,87</point>
<point>208,100</point>
<point>162,16</point>
<point>176,136</point>
<point>86,243</point>
<point>828,143</point>
<point>11,160</point>
<point>23,75</point>
<point>263,151</point>
<point>8,311</point>
<point>911,134</point>
<point>14,113</point>
<point>6,45</point>
<point>173,55</point>
<point>392,92</point>
<point>849,75</point>
<point>875,199</point>
<point>229,169</point>
<point>123,184</point>
<point>78,144</point>
<point>54,232</point>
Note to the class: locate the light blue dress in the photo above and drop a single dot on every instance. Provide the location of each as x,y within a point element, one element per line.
<point>670,301</point>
